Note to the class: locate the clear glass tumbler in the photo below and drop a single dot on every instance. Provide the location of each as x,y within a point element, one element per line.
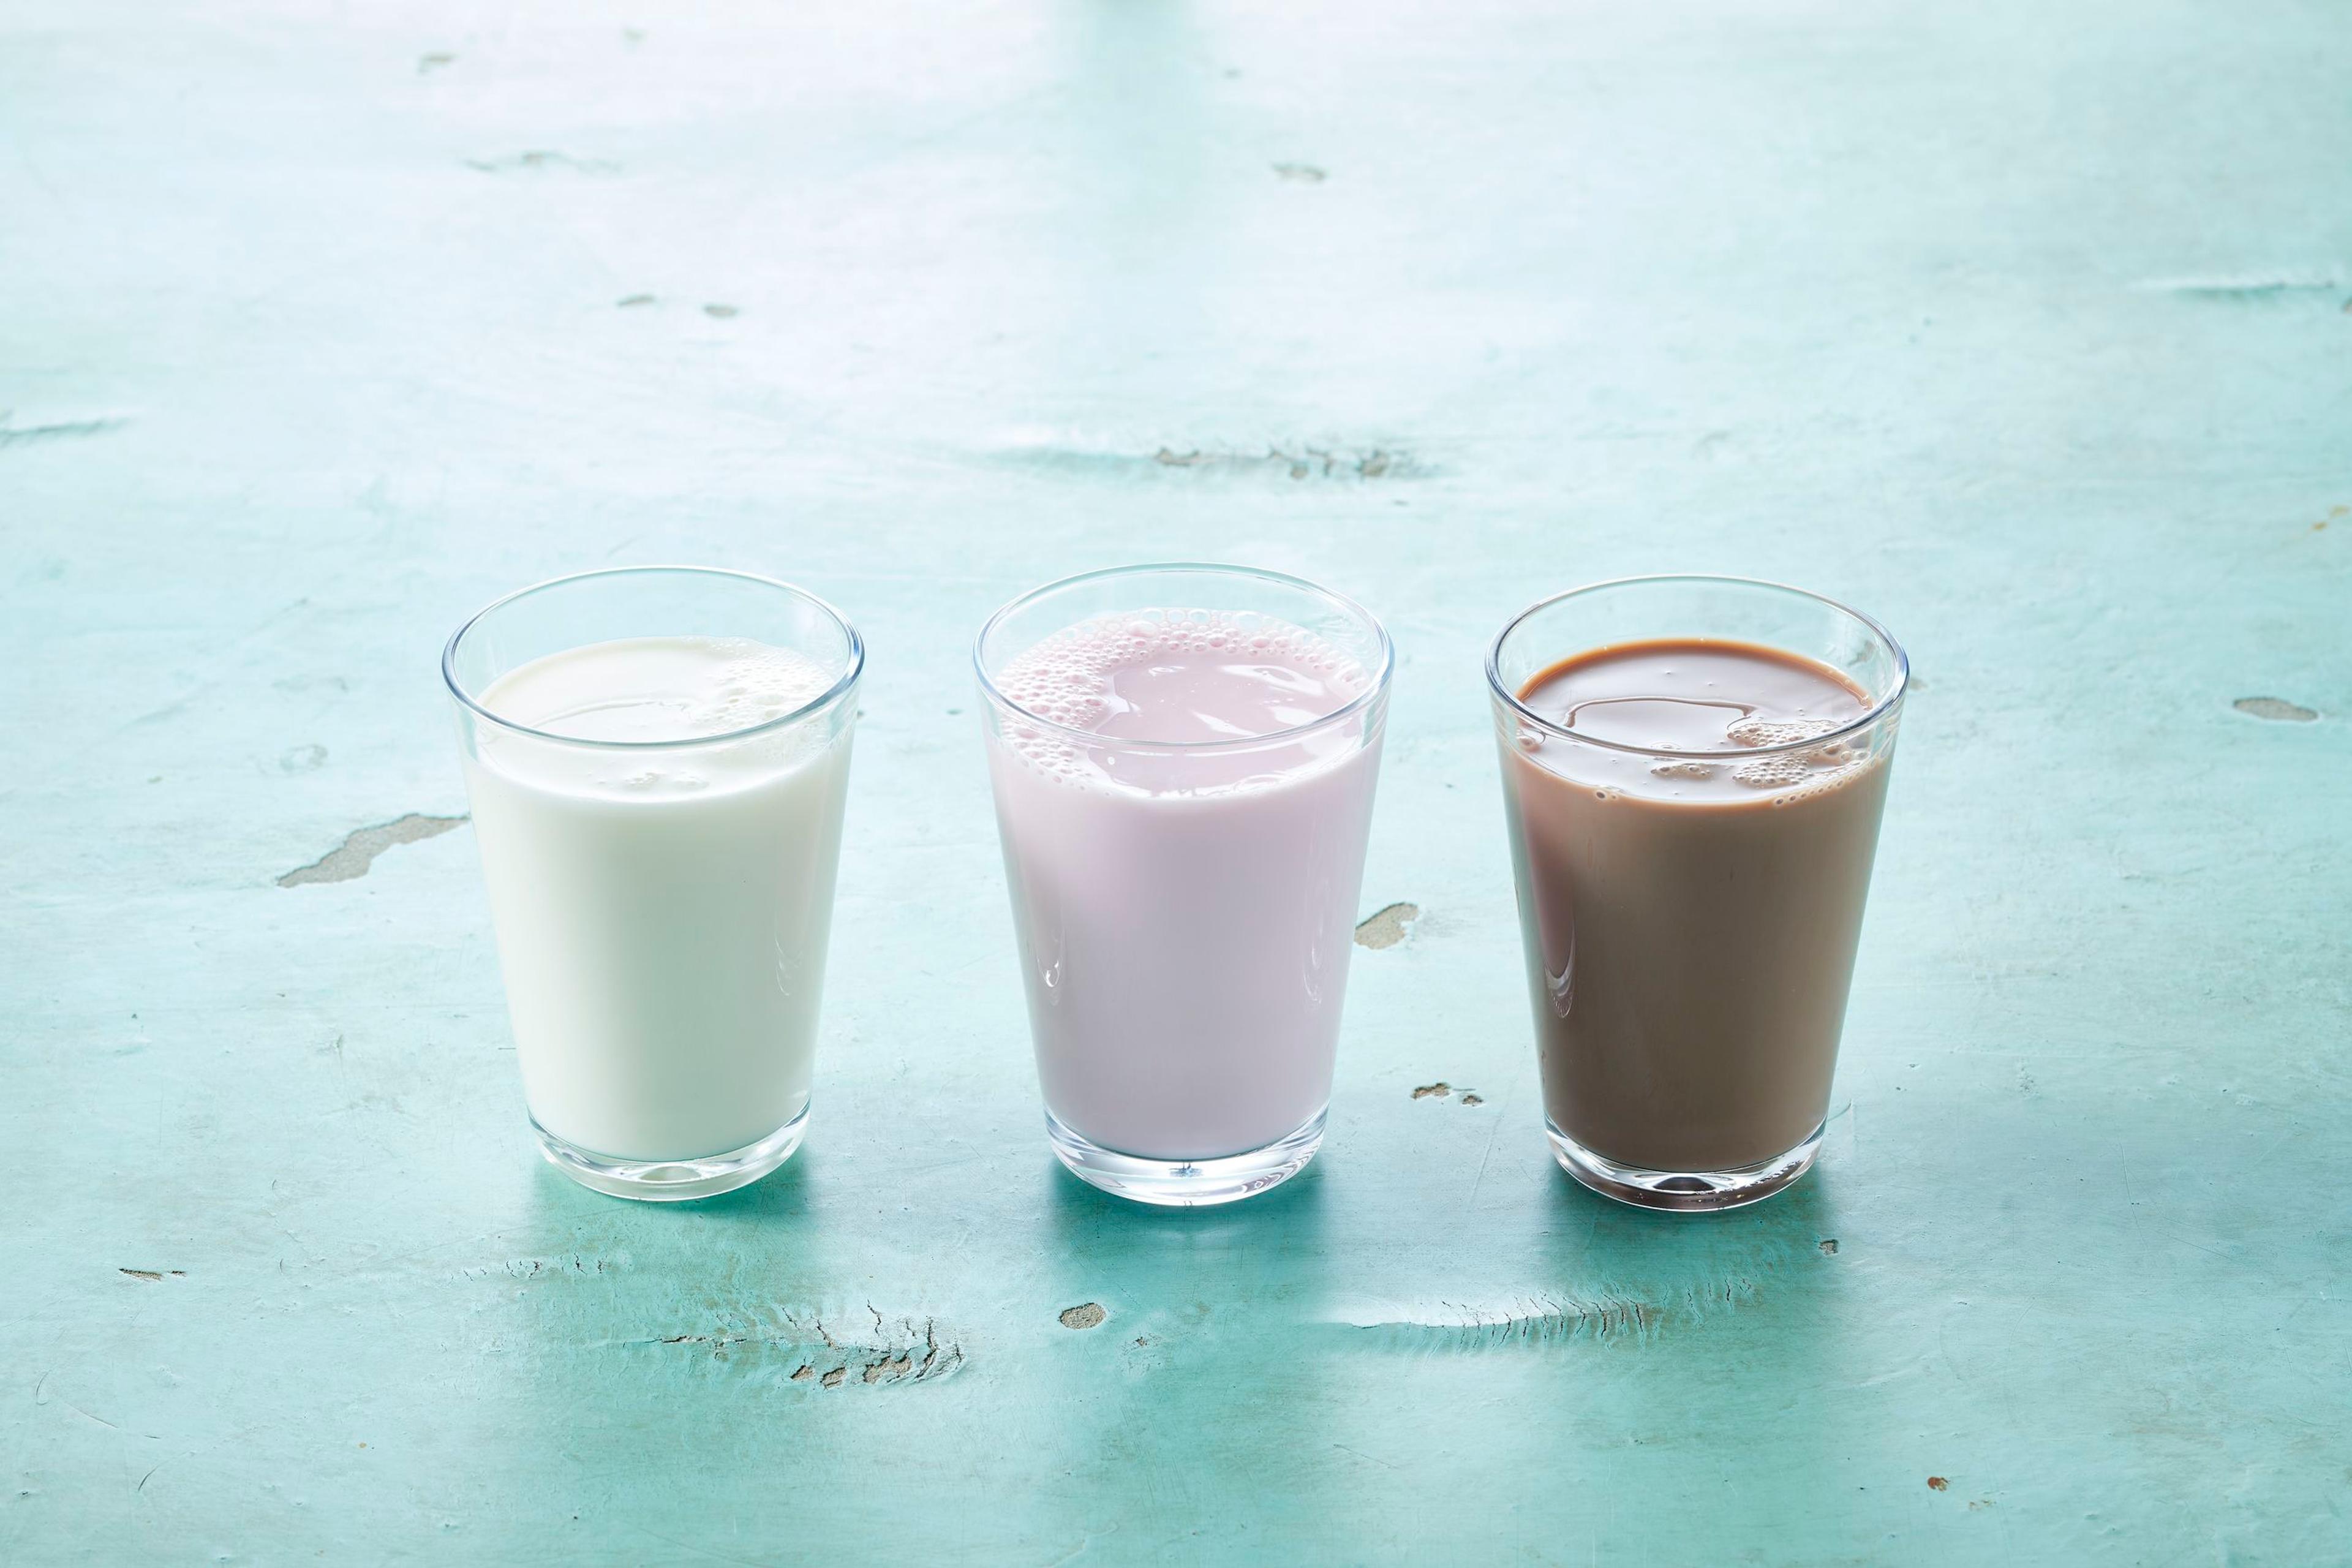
<point>1691,913</point>
<point>1184,908</point>
<point>657,760</point>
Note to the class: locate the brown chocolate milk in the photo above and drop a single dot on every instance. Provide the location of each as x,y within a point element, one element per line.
<point>1690,924</point>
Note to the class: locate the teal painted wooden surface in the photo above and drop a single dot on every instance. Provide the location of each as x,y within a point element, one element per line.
<point>2022,326</point>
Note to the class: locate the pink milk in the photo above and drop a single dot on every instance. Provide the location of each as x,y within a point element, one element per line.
<point>1184,843</point>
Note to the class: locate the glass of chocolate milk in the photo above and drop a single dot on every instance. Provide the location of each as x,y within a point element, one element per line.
<point>1183,760</point>
<point>1693,774</point>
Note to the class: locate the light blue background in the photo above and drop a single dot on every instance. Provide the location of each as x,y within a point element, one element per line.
<point>2020,325</point>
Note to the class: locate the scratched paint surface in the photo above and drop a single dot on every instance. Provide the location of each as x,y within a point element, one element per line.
<point>2023,326</point>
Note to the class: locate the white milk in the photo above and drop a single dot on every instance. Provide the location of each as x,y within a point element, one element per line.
<point>661,915</point>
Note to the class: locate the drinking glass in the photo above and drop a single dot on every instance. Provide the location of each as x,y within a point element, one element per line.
<point>1184,911</point>
<point>1688,956</point>
<point>662,907</point>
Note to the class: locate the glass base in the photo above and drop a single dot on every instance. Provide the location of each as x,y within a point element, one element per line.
<point>1187,1183</point>
<point>1685,1190</point>
<point>674,1181</point>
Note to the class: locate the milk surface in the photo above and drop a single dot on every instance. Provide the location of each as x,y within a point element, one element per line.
<point>1184,917</point>
<point>662,915</point>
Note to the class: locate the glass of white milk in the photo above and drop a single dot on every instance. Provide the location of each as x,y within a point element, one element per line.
<point>657,759</point>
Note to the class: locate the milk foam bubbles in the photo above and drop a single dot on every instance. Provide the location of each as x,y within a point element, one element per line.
<point>1183,840</point>
<point>1681,706</point>
<point>1177,677</point>
<point>662,885</point>
<point>1757,730</point>
<point>645,691</point>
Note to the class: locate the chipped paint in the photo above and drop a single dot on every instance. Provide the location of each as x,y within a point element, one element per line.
<point>350,859</point>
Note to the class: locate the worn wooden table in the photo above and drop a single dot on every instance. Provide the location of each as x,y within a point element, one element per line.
<point>2020,325</point>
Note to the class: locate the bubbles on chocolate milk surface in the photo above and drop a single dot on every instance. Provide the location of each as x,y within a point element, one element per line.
<point>1169,676</point>
<point>1644,719</point>
<point>1772,772</point>
<point>1756,732</point>
<point>1784,770</point>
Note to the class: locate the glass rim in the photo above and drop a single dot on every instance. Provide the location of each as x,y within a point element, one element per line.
<point>1362,701</point>
<point>1877,711</point>
<point>832,694</point>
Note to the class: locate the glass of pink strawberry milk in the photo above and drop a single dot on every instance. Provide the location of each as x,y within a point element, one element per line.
<point>1183,759</point>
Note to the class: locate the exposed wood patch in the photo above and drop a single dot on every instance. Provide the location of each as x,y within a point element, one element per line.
<point>1386,927</point>
<point>350,860</point>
